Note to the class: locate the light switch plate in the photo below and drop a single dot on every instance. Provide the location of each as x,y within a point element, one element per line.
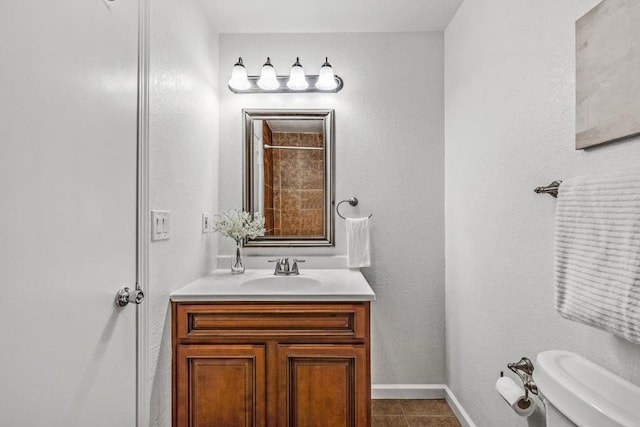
<point>206,222</point>
<point>160,225</point>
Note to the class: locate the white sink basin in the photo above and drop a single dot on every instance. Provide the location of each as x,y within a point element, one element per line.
<point>280,283</point>
<point>586,393</point>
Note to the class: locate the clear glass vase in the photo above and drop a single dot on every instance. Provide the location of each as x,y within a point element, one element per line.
<point>237,260</point>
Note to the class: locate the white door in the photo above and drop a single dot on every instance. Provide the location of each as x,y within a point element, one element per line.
<point>68,88</point>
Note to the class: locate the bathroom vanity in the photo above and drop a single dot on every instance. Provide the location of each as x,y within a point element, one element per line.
<point>259,350</point>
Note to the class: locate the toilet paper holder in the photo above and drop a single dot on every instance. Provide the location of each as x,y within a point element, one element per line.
<point>524,369</point>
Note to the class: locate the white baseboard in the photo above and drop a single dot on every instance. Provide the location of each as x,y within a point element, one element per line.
<point>408,391</point>
<point>422,391</point>
<point>456,407</point>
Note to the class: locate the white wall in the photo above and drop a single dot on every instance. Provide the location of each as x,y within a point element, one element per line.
<point>509,109</point>
<point>389,153</point>
<point>183,178</point>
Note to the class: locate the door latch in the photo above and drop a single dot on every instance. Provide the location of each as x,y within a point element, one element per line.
<point>126,296</point>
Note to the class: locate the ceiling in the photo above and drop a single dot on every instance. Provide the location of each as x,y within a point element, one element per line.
<point>330,16</point>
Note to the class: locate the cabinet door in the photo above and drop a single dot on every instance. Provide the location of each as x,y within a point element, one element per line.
<point>219,385</point>
<point>323,385</point>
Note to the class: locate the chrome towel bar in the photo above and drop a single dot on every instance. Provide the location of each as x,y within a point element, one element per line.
<point>551,189</point>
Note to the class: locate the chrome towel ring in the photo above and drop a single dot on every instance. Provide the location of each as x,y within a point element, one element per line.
<point>353,201</point>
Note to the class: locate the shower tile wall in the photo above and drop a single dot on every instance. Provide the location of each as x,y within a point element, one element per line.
<point>296,180</point>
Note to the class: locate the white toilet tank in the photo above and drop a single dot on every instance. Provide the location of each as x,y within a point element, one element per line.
<point>579,392</point>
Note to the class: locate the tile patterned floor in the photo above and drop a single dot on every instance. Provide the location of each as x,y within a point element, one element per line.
<point>412,413</point>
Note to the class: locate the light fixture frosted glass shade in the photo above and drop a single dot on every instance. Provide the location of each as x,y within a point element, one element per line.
<point>326,78</point>
<point>297,79</point>
<point>239,80</point>
<point>268,80</point>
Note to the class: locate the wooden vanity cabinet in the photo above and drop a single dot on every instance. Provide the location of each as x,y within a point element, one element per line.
<point>271,364</point>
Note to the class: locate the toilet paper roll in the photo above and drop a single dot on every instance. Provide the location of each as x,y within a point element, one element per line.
<point>513,394</point>
<point>538,416</point>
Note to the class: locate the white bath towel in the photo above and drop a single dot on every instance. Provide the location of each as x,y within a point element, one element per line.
<point>597,255</point>
<point>358,242</point>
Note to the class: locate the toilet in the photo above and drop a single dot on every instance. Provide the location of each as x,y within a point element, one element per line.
<point>577,392</point>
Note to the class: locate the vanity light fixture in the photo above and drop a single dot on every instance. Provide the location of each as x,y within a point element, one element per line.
<point>268,79</point>
<point>297,79</point>
<point>239,80</point>
<point>326,79</point>
<point>295,82</point>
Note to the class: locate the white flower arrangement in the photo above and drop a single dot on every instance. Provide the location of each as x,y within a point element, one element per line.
<point>239,224</point>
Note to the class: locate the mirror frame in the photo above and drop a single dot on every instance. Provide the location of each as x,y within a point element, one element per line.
<point>248,193</point>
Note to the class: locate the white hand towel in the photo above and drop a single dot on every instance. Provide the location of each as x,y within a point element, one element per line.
<point>358,242</point>
<point>597,255</point>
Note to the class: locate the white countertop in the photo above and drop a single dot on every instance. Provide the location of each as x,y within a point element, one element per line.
<point>310,285</point>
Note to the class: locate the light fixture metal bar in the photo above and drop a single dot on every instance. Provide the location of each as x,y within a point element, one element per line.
<point>311,79</point>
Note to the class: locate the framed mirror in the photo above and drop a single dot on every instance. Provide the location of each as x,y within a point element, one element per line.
<point>289,175</point>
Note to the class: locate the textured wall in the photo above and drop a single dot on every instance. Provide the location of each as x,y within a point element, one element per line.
<point>389,153</point>
<point>509,108</point>
<point>183,179</point>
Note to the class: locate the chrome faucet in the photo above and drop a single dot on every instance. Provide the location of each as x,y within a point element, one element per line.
<point>283,268</point>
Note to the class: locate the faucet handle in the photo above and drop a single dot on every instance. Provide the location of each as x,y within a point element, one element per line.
<point>279,264</point>
<point>294,267</point>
